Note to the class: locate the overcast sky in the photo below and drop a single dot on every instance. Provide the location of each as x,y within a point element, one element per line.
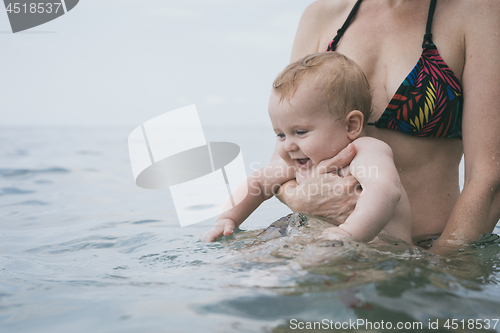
<point>122,62</point>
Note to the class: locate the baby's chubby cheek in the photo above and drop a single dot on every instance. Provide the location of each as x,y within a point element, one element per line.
<point>299,177</point>
<point>284,156</point>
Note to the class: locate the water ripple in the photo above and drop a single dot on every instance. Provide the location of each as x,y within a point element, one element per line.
<point>28,203</point>
<point>13,190</point>
<point>28,173</point>
<point>129,244</point>
<point>146,221</point>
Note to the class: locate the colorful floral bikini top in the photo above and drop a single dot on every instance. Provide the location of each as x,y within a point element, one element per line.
<point>429,101</point>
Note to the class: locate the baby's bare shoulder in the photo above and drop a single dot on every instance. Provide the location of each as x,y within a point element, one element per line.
<point>367,144</point>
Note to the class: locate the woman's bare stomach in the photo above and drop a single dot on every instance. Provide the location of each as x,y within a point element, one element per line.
<point>428,169</point>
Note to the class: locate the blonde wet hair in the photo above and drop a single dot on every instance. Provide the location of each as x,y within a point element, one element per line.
<point>341,78</point>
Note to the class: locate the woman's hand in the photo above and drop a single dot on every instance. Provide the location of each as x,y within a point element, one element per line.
<point>324,194</point>
<point>224,227</point>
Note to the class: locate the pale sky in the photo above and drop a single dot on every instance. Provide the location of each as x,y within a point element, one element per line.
<point>122,62</point>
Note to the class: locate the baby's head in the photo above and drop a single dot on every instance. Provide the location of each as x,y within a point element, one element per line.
<point>342,80</point>
<point>319,104</point>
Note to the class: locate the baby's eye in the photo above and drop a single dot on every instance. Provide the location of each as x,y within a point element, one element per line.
<point>280,135</point>
<point>301,132</point>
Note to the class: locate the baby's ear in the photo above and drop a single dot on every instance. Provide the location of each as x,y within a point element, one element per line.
<point>354,121</point>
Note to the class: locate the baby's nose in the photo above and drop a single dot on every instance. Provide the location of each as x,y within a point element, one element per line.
<point>290,145</point>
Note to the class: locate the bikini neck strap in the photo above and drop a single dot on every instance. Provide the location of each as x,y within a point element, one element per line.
<point>341,31</point>
<point>428,35</point>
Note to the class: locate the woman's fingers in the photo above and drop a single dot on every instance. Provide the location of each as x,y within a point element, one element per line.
<point>328,196</point>
<point>339,161</point>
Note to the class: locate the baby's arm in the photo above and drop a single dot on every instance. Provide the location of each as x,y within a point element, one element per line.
<point>374,169</point>
<point>261,186</point>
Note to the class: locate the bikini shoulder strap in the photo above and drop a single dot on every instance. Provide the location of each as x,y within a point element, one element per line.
<point>428,35</point>
<point>341,31</point>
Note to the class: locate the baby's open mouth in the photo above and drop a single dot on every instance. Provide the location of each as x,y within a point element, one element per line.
<point>302,162</point>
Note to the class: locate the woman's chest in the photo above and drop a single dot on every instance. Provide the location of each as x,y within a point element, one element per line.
<point>387,44</point>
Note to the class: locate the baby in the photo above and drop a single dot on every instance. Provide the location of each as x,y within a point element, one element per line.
<point>319,106</point>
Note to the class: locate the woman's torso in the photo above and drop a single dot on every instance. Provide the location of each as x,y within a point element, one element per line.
<point>385,39</point>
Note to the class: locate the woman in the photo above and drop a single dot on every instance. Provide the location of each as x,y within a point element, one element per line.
<point>456,46</point>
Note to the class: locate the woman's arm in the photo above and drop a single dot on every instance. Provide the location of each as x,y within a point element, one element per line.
<point>308,34</point>
<point>318,24</point>
<point>478,208</point>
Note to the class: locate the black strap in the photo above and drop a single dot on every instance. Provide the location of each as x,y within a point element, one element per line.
<point>341,31</point>
<point>428,34</point>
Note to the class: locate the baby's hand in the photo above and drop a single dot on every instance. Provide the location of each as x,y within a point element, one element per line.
<point>223,227</point>
<point>334,233</point>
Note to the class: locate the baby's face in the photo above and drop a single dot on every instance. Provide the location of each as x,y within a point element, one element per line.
<point>307,131</point>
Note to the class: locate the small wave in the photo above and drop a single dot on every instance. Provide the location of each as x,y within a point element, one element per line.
<point>127,245</point>
<point>4,295</point>
<point>121,267</point>
<point>29,203</point>
<point>111,276</point>
<point>42,181</point>
<point>27,173</point>
<point>18,152</point>
<point>13,190</point>
<point>88,152</point>
<point>145,221</point>
<point>200,207</point>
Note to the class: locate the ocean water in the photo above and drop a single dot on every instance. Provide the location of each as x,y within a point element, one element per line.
<point>83,249</point>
